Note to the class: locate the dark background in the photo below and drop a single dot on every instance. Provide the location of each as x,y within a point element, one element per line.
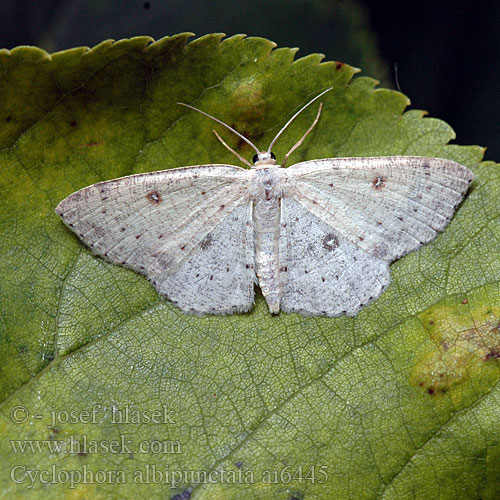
<point>447,53</point>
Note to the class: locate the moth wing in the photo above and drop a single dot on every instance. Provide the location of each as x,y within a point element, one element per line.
<point>157,223</point>
<point>218,277</point>
<point>321,272</point>
<point>386,206</point>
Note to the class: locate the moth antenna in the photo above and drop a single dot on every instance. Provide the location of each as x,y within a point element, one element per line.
<point>295,116</point>
<point>222,123</point>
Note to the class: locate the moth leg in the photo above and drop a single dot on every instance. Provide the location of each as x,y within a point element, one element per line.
<point>308,131</point>
<point>246,162</point>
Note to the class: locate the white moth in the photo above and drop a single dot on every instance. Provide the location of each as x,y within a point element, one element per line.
<point>317,237</point>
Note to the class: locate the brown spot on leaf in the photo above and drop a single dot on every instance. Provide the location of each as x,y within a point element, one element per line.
<point>493,353</point>
<point>339,65</point>
<point>461,341</point>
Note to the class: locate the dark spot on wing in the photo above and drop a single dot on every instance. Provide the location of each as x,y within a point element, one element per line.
<point>338,65</point>
<point>330,242</point>
<point>379,251</point>
<point>206,242</point>
<point>379,182</point>
<point>154,197</point>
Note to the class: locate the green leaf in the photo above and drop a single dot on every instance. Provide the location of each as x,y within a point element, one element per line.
<point>400,402</point>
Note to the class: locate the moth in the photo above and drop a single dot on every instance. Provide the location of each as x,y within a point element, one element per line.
<point>316,237</point>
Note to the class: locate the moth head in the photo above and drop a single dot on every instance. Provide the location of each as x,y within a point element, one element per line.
<point>263,158</point>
